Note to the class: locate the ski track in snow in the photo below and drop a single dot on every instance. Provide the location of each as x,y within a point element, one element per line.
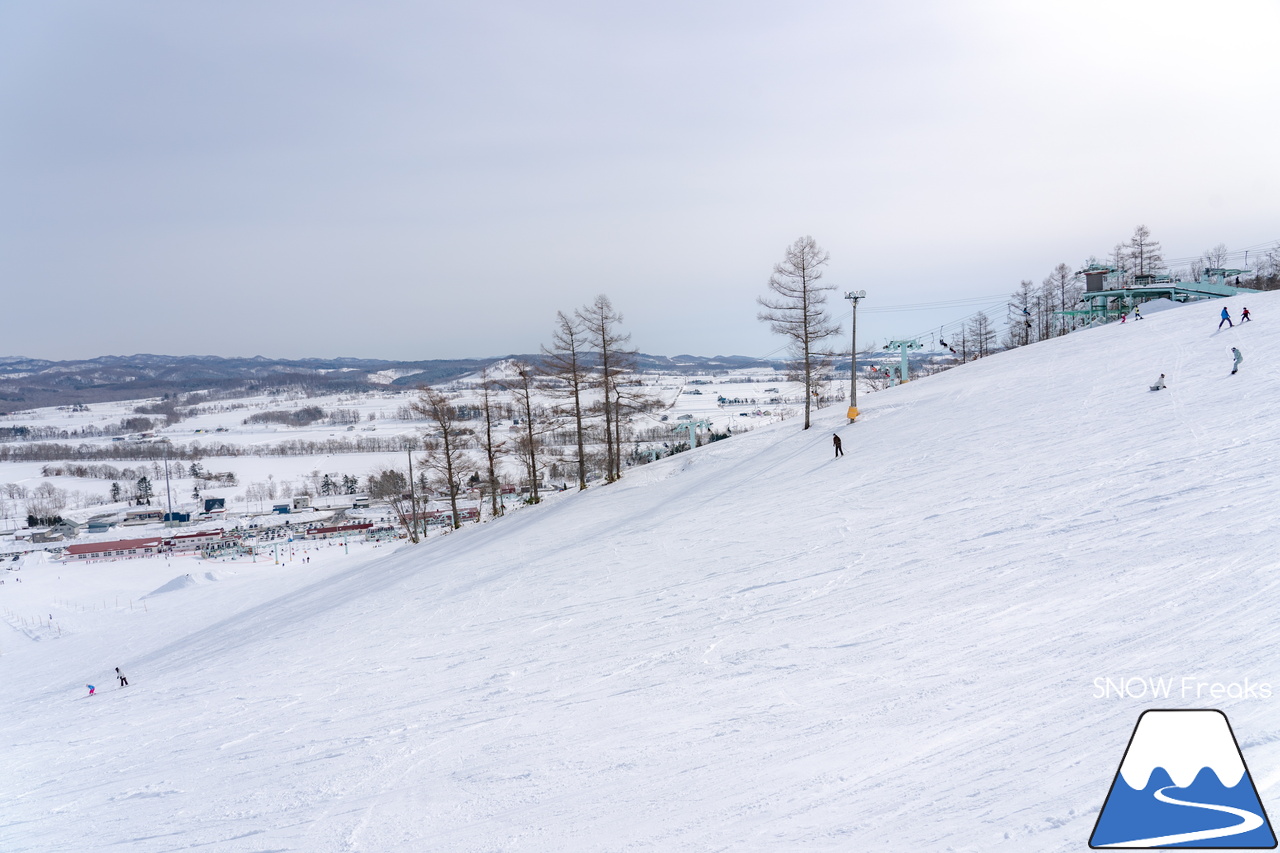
<point>747,647</point>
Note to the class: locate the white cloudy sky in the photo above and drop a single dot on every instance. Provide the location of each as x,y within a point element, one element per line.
<point>428,180</point>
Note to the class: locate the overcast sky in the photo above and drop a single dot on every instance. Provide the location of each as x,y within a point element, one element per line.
<point>431,180</point>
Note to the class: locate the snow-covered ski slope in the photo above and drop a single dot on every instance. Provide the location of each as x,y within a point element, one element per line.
<point>748,647</point>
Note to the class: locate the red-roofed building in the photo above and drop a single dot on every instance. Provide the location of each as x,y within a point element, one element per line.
<point>124,548</point>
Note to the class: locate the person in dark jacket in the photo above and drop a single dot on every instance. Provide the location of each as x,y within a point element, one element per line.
<point>1226,318</point>
<point>835,439</point>
<point>124,682</point>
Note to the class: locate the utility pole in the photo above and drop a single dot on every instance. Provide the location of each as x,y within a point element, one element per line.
<point>853,296</point>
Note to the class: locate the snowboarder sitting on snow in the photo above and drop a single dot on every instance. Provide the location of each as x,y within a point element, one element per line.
<point>1244,316</point>
<point>1226,318</point>
<point>1159,383</point>
<point>124,682</point>
<point>835,439</point>
<point>1238,358</point>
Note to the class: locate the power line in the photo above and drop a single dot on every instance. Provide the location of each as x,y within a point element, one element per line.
<point>948,303</point>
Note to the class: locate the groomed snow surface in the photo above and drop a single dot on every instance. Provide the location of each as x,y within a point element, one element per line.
<point>748,647</point>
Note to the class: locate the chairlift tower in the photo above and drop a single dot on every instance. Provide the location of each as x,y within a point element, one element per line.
<point>693,427</point>
<point>901,372</point>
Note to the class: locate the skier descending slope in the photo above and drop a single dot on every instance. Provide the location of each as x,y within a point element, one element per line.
<point>1238,358</point>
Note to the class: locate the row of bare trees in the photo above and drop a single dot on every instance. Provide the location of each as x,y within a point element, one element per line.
<point>796,305</point>
<point>588,369</point>
<point>1040,313</point>
<point>1037,313</point>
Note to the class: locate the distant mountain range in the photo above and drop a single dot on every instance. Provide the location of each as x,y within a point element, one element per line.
<point>28,383</point>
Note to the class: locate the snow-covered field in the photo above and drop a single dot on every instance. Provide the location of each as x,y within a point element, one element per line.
<point>748,647</point>
<point>754,397</point>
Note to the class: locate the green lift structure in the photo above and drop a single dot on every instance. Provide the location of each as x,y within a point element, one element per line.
<point>1107,295</point>
<point>900,372</point>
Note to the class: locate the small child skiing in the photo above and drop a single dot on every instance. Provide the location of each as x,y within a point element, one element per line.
<point>124,682</point>
<point>1123,317</point>
<point>1159,383</point>
<point>91,688</point>
<point>1235,353</point>
<point>1226,318</point>
<point>1244,316</point>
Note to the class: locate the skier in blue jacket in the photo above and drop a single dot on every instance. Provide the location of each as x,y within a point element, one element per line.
<point>1226,318</point>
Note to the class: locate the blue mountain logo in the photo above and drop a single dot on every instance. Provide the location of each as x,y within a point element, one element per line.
<point>1182,783</point>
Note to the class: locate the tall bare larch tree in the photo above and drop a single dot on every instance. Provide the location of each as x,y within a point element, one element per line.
<point>494,447</point>
<point>600,322</point>
<point>563,361</point>
<point>445,460</point>
<point>797,310</point>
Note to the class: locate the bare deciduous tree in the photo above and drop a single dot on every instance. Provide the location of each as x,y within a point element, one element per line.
<point>981,335</point>
<point>1021,329</point>
<point>406,514</point>
<point>1144,253</point>
<point>46,501</point>
<point>798,312</point>
<point>1119,261</point>
<point>1216,258</point>
<point>563,362</point>
<point>1063,287</point>
<point>493,446</point>
<point>600,321</point>
<point>445,461</point>
<point>524,386</point>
